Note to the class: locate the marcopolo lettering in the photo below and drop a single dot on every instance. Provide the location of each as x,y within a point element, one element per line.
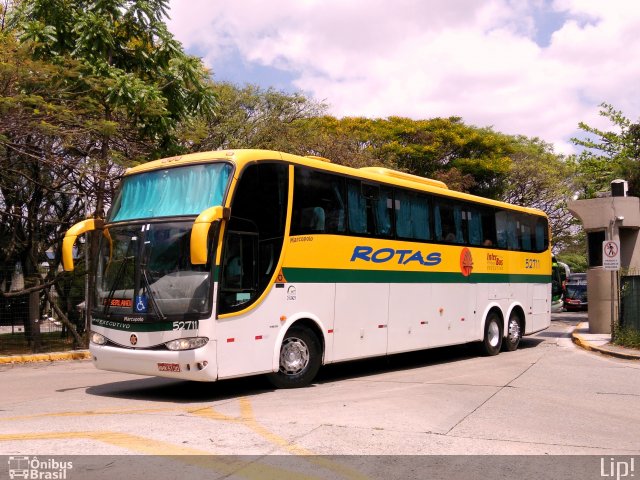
<point>402,257</point>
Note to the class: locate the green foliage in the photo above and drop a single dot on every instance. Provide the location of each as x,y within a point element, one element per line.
<point>541,179</point>
<point>475,160</point>
<point>577,262</point>
<point>626,337</point>
<point>135,70</point>
<point>609,154</point>
<point>251,117</point>
<point>86,87</point>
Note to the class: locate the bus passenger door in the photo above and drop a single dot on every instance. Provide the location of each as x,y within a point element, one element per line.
<point>361,316</point>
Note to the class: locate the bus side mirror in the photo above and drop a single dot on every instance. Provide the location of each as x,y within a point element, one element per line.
<point>200,232</point>
<point>69,239</point>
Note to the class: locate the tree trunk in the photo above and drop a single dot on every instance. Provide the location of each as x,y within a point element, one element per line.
<point>34,319</point>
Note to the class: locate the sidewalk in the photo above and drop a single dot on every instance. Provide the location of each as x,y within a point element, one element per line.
<point>46,357</point>
<point>601,342</point>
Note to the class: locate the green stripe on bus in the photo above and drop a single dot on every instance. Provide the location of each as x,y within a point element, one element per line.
<point>334,275</point>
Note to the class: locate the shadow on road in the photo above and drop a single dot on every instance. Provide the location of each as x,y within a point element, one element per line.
<point>180,391</point>
<point>158,389</point>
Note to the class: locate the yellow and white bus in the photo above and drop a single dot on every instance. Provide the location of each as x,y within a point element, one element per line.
<point>230,263</point>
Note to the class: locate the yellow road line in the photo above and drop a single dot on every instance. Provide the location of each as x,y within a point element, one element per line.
<point>247,418</point>
<point>227,465</point>
<point>89,413</point>
<point>154,447</point>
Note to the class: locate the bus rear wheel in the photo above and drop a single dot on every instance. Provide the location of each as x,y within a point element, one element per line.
<point>514,333</point>
<point>300,359</point>
<point>492,341</point>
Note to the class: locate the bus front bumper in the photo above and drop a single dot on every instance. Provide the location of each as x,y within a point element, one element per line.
<point>198,364</point>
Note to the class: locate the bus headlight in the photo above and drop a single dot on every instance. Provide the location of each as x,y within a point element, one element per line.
<point>98,339</point>
<point>187,343</point>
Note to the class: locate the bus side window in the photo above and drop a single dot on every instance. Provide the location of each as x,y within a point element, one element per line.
<point>412,216</point>
<point>509,229</point>
<point>474,226</point>
<point>525,233</point>
<point>369,208</point>
<point>448,222</point>
<point>488,220</point>
<point>501,228</point>
<point>318,203</point>
<point>542,233</point>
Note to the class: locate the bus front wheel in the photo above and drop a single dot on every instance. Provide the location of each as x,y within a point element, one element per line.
<point>492,341</point>
<point>300,359</point>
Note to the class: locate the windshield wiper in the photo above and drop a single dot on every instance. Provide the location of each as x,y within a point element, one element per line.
<point>147,286</point>
<point>114,285</point>
<point>145,254</point>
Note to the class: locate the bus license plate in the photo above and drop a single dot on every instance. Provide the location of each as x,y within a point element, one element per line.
<point>169,367</point>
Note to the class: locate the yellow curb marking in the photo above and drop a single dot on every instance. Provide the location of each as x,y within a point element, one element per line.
<point>45,357</point>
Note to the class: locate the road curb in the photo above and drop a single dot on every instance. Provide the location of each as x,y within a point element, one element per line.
<point>583,343</point>
<point>46,357</point>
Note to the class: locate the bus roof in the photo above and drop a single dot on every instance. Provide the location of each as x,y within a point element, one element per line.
<point>241,157</point>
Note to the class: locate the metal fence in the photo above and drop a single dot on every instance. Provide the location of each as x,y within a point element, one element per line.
<point>29,323</point>
<point>630,301</point>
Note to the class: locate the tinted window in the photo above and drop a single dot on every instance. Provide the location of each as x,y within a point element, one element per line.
<point>412,216</point>
<point>541,234</point>
<point>369,209</point>
<point>254,235</point>
<point>319,204</point>
<point>448,222</point>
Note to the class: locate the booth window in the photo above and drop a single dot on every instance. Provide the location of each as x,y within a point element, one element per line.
<point>594,245</point>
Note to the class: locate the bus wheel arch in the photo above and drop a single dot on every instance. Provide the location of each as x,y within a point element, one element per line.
<point>491,342</point>
<point>514,329</point>
<point>300,355</point>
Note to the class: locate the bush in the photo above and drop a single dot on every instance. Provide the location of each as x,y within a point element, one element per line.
<point>626,337</point>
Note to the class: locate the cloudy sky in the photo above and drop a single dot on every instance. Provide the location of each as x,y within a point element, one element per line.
<point>531,67</point>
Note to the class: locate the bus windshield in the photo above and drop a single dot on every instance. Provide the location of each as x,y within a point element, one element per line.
<point>145,270</point>
<point>178,191</point>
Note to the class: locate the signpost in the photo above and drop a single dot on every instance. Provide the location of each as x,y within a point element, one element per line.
<point>611,262</point>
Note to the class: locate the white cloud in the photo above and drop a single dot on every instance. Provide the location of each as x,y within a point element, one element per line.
<point>477,60</point>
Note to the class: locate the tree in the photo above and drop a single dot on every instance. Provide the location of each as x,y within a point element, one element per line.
<point>539,178</point>
<point>609,154</point>
<point>36,127</point>
<point>111,88</point>
<point>251,117</point>
<point>471,159</point>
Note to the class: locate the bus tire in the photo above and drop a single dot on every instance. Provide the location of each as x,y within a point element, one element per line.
<point>514,333</point>
<point>300,359</point>
<point>492,341</point>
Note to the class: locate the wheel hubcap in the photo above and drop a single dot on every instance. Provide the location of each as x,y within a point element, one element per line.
<point>494,334</point>
<point>294,356</point>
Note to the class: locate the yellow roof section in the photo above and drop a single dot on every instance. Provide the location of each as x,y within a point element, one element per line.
<point>240,157</point>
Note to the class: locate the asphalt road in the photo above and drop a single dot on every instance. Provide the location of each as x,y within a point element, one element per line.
<point>548,397</point>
